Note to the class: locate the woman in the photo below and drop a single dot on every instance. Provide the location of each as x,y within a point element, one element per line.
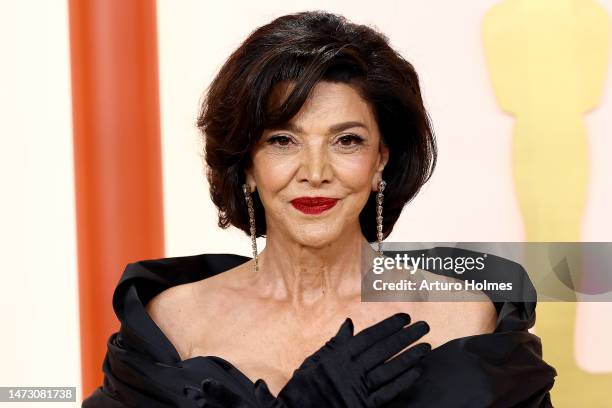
<point>316,137</point>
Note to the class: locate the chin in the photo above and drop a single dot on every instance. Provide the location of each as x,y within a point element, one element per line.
<point>315,237</point>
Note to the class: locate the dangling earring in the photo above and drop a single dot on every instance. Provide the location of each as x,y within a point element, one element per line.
<point>379,217</point>
<point>249,202</point>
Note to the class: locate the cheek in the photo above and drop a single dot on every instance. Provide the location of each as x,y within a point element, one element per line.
<point>273,173</point>
<point>355,172</point>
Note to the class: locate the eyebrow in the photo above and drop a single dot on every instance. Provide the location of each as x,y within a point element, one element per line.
<point>338,127</point>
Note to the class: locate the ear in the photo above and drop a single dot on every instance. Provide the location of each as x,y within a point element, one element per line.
<point>383,158</point>
<point>250,179</point>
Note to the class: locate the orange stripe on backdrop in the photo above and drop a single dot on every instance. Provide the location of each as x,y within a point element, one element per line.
<point>117,158</point>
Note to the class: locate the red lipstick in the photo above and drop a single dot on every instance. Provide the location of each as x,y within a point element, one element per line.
<point>313,205</point>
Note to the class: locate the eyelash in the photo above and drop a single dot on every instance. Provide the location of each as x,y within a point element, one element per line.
<point>353,137</point>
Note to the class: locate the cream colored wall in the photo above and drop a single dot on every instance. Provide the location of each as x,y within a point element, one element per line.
<point>39,344</point>
<point>592,337</point>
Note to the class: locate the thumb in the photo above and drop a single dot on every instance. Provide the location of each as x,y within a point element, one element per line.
<point>345,332</point>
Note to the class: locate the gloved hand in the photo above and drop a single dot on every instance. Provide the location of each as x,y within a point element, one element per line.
<point>348,371</point>
<point>213,394</point>
<point>353,371</point>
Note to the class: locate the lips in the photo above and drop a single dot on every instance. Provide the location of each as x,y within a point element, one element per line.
<point>313,205</point>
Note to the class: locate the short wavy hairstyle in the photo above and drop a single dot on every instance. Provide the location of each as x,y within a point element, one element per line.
<point>305,48</point>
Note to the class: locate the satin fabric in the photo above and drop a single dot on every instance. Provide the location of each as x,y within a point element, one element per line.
<point>143,369</point>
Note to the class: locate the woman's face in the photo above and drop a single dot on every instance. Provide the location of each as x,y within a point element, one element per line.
<point>331,148</point>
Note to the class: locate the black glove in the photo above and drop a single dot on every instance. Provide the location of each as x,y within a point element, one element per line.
<point>353,371</point>
<point>212,394</point>
<point>348,371</point>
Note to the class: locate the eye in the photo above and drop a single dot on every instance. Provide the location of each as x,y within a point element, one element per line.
<point>350,140</point>
<point>282,141</point>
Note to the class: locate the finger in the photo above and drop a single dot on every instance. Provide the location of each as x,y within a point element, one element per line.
<point>375,333</point>
<point>396,366</point>
<point>388,347</point>
<point>391,390</point>
<point>344,334</point>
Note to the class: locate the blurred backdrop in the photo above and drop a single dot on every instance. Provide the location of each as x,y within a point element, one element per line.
<point>100,158</point>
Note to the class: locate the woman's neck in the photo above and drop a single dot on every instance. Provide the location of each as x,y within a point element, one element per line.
<point>304,276</point>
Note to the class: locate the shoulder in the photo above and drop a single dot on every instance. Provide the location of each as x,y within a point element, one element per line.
<point>451,311</point>
<point>183,312</point>
<point>170,311</point>
<point>457,313</point>
<point>470,318</point>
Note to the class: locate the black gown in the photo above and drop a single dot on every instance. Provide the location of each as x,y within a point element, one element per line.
<point>143,369</point>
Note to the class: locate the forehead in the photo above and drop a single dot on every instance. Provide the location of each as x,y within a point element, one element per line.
<point>328,102</point>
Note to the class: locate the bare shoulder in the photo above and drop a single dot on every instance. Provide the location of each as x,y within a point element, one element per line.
<point>183,312</point>
<point>471,318</point>
<point>457,312</point>
<point>169,309</point>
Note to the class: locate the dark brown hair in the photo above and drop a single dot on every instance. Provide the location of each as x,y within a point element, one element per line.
<point>304,48</point>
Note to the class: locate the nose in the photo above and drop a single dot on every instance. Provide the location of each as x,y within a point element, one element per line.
<point>315,167</point>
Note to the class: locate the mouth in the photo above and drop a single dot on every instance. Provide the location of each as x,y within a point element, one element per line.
<point>313,205</point>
